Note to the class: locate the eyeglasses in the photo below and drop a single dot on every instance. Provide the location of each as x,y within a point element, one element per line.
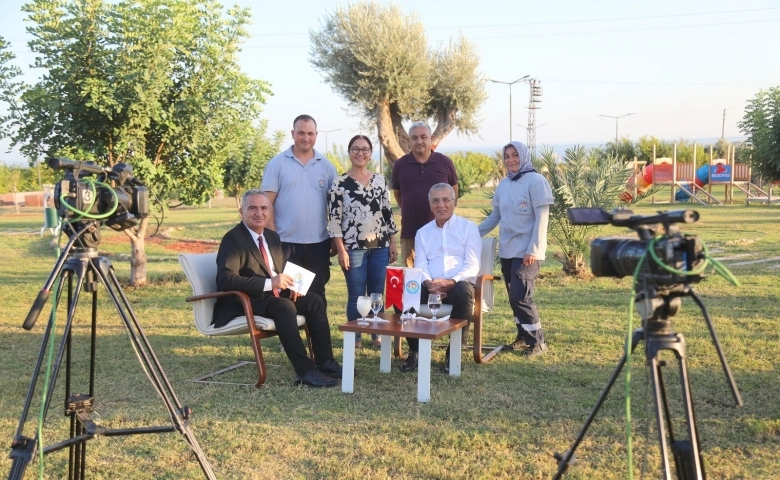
<point>512,155</point>
<point>364,151</point>
<point>445,200</point>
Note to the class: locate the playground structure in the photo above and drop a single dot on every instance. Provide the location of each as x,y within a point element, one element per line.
<point>695,184</point>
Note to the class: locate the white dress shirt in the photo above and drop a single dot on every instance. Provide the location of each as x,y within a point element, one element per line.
<point>267,287</point>
<point>451,251</point>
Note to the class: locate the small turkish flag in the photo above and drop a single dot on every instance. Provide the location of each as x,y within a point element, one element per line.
<point>394,288</point>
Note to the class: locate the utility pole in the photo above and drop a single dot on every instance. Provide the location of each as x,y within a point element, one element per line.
<point>510,99</point>
<point>616,126</point>
<point>723,128</point>
<point>534,99</point>
<point>326,132</point>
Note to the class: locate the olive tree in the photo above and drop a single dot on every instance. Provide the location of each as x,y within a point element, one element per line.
<point>378,59</point>
<point>153,83</point>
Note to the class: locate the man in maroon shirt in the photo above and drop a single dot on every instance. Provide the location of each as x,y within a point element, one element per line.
<point>413,176</point>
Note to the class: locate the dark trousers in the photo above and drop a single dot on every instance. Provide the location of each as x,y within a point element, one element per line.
<point>460,296</point>
<point>520,281</point>
<point>283,312</point>
<point>314,257</point>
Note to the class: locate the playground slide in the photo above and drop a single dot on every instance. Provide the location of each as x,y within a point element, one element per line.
<point>702,179</point>
<point>643,180</point>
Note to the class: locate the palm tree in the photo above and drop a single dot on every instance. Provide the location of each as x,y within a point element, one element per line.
<point>580,179</point>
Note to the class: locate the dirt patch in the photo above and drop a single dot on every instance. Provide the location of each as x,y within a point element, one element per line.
<point>173,245</point>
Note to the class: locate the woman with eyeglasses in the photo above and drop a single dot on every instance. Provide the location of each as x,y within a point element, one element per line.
<point>362,226</point>
<point>521,210</point>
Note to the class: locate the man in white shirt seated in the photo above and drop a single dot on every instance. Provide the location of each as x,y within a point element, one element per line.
<point>447,250</point>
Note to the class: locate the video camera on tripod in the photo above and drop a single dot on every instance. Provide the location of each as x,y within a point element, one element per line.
<point>618,256</point>
<point>79,196</point>
<point>660,282</point>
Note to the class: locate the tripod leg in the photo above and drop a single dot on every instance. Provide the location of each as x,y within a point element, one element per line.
<point>179,415</point>
<point>721,355</point>
<point>688,458</point>
<point>661,407</point>
<point>566,459</point>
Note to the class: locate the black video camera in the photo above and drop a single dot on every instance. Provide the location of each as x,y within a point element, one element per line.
<point>619,257</point>
<point>77,196</point>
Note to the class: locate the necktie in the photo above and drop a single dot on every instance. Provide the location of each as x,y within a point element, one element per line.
<point>267,261</point>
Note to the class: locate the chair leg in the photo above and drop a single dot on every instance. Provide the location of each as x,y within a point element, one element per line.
<point>397,347</point>
<point>478,357</point>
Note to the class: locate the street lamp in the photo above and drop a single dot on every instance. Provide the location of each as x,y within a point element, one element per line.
<point>510,99</point>
<point>616,125</point>
<point>326,132</point>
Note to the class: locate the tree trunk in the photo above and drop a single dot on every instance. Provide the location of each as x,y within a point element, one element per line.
<point>386,126</point>
<point>574,265</point>
<point>445,123</point>
<point>138,253</point>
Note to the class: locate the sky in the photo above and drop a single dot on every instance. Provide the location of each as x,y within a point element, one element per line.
<point>674,65</point>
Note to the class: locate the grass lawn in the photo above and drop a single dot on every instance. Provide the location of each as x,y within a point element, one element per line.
<point>500,420</point>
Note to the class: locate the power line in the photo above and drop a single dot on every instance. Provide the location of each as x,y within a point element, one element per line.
<point>624,30</point>
<point>526,24</point>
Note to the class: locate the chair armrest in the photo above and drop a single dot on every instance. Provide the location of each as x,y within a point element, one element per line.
<point>246,304</point>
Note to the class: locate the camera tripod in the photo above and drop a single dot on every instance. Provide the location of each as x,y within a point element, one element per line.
<point>89,270</point>
<point>655,308</point>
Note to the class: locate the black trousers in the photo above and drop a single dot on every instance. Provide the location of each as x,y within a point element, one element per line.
<point>520,283</point>
<point>284,312</point>
<point>314,257</point>
<point>460,296</point>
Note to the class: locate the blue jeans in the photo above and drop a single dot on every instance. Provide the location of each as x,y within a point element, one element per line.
<point>366,275</point>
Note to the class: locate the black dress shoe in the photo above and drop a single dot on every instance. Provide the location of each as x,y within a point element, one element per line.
<point>331,368</point>
<point>315,379</point>
<point>410,364</point>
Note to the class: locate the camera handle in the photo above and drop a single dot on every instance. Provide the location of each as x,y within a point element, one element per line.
<point>89,271</point>
<point>661,337</point>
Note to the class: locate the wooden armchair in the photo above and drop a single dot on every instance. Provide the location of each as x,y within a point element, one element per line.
<point>484,298</point>
<point>201,271</point>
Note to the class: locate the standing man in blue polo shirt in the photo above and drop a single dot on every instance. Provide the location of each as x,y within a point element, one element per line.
<point>296,182</point>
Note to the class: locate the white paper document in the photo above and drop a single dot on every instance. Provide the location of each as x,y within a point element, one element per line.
<point>301,277</point>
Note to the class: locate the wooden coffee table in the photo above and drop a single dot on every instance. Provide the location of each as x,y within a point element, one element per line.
<point>427,332</point>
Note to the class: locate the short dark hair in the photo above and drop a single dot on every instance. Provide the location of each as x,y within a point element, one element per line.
<point>359,137</point>
<point>307,118</point>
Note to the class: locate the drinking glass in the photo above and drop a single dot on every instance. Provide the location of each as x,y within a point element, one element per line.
<point>376,303</point>
<point>363,307</point>
<point>434,303</point>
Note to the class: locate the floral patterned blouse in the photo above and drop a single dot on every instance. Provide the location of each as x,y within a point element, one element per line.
<point>362,216</point>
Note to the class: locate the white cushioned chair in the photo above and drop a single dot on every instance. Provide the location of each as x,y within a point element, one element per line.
<point>201,271</point>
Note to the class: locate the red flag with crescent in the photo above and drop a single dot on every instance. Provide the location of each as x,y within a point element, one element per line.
<point>394,288</point>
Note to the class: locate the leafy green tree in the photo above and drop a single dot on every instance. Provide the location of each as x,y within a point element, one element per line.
<point>378,59</point>
<point>244,167</point>
<point>474,169</point>
<point>644,148</point>
<point>580,179</point>
<point>10,86</point>
<point>154,83</point>
<point>625,150</point>
<point>761,124</point>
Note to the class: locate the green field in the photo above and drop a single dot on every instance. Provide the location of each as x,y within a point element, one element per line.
<point>500,420</point>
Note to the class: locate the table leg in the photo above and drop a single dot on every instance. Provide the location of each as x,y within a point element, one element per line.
<point>348,369</point>
<point>424,371</point>
<point>455,341</point>
<point>384,356</point>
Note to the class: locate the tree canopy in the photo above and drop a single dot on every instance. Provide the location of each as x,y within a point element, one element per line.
<point>378,59</point>
<point>154,83</point>
<point>761,124</point>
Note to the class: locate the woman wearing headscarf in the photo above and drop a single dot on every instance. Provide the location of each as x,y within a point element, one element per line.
<point>521,210</point>
<point>362,226</point>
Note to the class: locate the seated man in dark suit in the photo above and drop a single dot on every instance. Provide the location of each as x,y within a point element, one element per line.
<point>250,260</point>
